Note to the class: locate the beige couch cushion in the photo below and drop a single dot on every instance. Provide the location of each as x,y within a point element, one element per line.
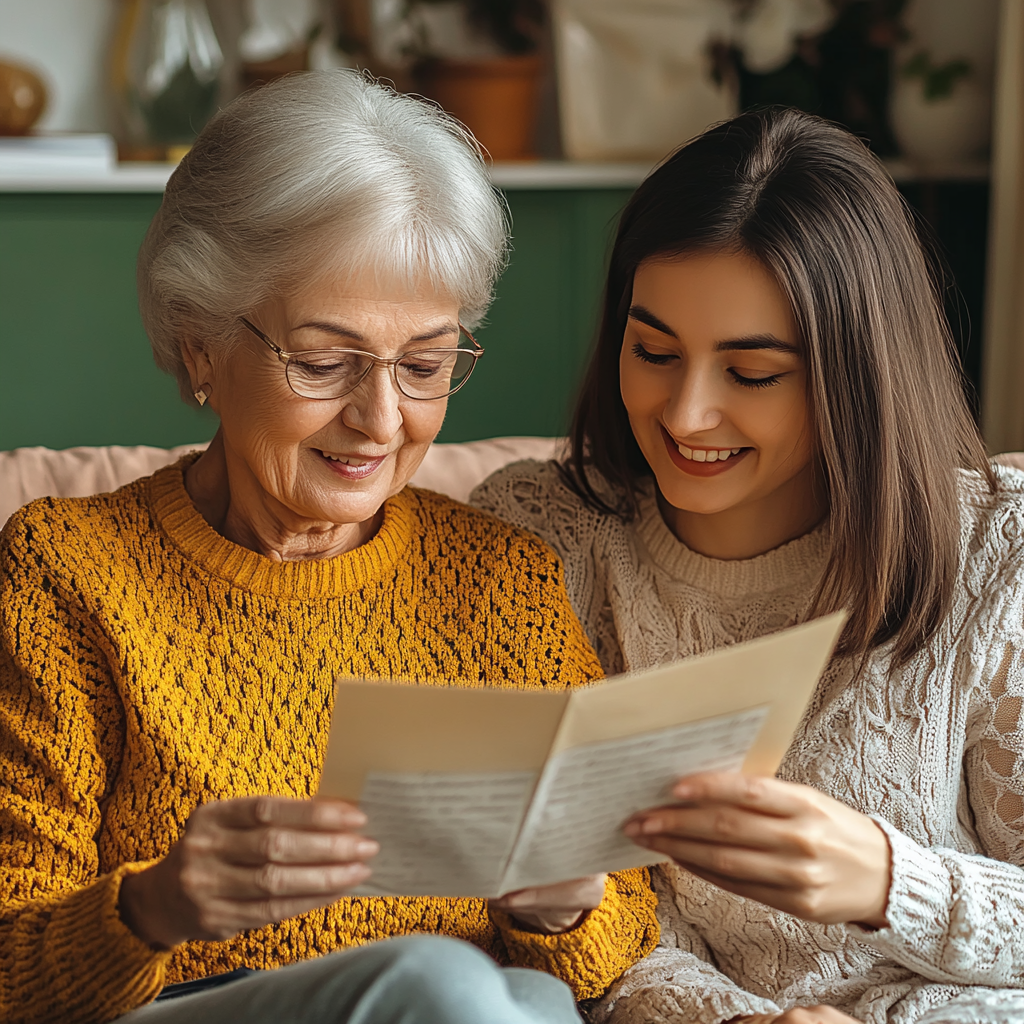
<point>29,473</point>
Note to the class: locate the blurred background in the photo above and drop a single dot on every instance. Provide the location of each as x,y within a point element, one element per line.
<point>574,100</point>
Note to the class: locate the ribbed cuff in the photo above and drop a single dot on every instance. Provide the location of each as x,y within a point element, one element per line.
<point>920,897</point>
<point>610,939</point>
<point>75,960</point>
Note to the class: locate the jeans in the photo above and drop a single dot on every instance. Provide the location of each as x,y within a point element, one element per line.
<point>415,979</point>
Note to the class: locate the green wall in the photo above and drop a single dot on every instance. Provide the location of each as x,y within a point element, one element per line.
<point>75,365</point>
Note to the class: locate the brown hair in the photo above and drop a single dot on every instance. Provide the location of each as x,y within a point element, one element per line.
<point>820,212</point>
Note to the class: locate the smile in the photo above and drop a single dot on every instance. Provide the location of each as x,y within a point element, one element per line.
<point>702,461</point>
<point>352,467</point>
<point>708,454</point>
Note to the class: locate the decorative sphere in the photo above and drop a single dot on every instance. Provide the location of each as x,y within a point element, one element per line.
<point>22,98</point>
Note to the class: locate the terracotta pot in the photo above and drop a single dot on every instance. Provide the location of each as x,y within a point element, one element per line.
<point>495,98</point>
<point>22,99</point>
<point>940,131</point>
<point>260,72</point>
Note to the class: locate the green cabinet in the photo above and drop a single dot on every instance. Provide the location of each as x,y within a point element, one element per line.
<point>75,364</point>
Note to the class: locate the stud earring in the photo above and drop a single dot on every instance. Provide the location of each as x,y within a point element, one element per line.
<point>200,395</point>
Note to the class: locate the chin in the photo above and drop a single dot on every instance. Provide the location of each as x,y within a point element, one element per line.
<point>704,498</point>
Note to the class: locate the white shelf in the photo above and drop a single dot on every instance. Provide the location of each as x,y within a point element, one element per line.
<point>541,174</point>
<point>546,174</point>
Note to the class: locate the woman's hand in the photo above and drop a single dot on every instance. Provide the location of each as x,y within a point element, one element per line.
<point>799,1015</point>
<point>779,843</point>
<point>554,908</point>
<point>245,863</point>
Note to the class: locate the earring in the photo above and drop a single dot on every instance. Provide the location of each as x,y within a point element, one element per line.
<point>200,395</point>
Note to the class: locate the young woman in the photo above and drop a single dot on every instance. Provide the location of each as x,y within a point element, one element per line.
<point>772,427</point>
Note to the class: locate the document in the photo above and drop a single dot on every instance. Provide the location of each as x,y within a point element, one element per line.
<point>474,791</point>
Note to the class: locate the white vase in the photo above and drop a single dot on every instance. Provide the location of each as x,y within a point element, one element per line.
<point>947,130</point>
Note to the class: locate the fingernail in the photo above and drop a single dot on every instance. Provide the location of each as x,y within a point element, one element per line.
<point>632,828</point>
<point>683,790</point>
<point>650,825</point>
<point>367,847</point>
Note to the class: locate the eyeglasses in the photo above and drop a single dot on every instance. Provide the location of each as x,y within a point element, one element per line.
<point>331,373</point>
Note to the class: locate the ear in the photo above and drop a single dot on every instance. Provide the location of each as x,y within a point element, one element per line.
<point>198,363</point>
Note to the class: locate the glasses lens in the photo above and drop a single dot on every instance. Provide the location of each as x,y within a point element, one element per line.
<point>435,372</point>
<point>327,374</point>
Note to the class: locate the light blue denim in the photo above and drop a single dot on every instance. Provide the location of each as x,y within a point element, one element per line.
<point>415,979</point>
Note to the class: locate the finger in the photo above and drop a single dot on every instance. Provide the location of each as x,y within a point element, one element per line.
<point>286,881</point>
<point>805,904</point>
<point>312,815</point>
<point>276,845</point>
<point>754,792</point>
<point>716,823</point>
<point>741,864</point>
<point>578,894</point>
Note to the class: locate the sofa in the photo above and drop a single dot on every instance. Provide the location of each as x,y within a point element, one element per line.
<point>453,469</point>
<point>30,473</point>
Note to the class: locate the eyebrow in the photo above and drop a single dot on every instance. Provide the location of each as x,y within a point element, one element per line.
<point>344,332</point>
<point>748,343</point>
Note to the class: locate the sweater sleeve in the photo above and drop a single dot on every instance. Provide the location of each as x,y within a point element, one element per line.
<point>956,917</point>
<point>64,952</point>
<point>589,957</point>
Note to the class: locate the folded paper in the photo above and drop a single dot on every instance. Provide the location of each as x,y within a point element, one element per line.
<point>482,791</point>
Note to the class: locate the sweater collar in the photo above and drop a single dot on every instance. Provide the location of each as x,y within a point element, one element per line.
<point>798,563</point>
<point>182,522</point>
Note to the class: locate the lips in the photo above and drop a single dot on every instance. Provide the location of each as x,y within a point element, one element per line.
<point>351,467</point>
<point>703,461</point>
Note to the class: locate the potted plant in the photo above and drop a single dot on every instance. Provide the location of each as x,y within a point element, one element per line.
<point>940,113</point>
<point>479,60</point>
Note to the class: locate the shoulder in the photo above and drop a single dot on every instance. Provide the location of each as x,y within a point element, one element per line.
<point>66,537</point>
<point>456,530</point>
<point>525,488</point>
<point>988,602</point>
<point>993,523</point>
<point>537,497</point>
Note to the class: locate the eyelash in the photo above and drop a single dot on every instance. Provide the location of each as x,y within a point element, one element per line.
<point>755,382</point>
<point>747,382</point>
<point>649,357</point>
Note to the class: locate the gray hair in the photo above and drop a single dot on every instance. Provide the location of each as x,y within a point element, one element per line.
<point>321,172</point>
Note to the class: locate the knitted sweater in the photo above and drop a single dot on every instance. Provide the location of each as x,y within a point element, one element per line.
<point>148,665</point>
<point>933,751</point>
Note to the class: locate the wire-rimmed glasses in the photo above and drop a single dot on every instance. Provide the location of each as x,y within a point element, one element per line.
<point>331,373</point>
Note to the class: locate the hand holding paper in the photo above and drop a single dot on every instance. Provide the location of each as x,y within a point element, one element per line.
<point>486,791</point>
<point>555,908</point>
<point>776,842</point>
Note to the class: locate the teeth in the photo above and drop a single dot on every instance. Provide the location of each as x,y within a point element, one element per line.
<point>344,459</point>
<point>707,455</point>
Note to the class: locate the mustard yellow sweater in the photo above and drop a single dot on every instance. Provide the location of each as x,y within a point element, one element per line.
<point>148,665</point>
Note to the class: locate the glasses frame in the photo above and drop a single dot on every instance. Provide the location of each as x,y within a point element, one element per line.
<point>286,357</point>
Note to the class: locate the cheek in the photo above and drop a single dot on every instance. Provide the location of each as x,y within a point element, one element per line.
<point>786,429</point>
<point>422,421</point>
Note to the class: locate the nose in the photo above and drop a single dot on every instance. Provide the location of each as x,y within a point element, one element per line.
<point>694,404</point>
<point>374,408</point>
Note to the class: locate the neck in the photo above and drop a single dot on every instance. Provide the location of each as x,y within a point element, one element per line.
<point>754,527</point>
<point>233,502</point>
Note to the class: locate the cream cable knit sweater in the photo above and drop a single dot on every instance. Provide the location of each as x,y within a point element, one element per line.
<point>935,753</point>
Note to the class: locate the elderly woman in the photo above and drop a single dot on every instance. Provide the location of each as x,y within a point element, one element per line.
<point>168,650</point>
